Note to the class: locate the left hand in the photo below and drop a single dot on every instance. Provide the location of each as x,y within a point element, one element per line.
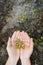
<point>12,51</point>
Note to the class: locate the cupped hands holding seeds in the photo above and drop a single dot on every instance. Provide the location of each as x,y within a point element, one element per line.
<point>20,46</point>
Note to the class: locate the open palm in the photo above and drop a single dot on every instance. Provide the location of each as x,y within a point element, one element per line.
<point>12,51</point>
<point>27,51</point>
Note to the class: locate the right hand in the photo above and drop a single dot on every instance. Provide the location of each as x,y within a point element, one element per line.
<point>27,51</point>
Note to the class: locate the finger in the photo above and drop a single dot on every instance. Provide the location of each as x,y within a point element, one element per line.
<point>14,36</point>
<point>31,44</point>
<point>26,37</point>
<point>9,42</point>
<point>23,37</point>
<point>18,35</point>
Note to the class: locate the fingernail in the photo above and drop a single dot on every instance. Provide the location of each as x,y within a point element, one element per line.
<point>9,38</point>
<point>32,39</point>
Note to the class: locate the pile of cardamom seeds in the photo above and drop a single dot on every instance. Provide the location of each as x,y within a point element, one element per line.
<point>19,44</point>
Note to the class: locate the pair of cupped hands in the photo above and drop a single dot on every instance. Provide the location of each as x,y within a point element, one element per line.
<point>23,54</point>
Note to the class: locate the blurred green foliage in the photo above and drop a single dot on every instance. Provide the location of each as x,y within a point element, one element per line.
<point>22,17</point>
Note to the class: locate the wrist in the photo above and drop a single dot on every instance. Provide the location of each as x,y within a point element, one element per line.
<point>26,62</point>
<point>13,61</point>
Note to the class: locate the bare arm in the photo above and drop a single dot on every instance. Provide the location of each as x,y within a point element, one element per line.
<point>8,62</point>
<point>26,62</point>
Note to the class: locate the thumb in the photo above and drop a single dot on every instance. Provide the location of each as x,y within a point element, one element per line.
<point>9,43</point>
